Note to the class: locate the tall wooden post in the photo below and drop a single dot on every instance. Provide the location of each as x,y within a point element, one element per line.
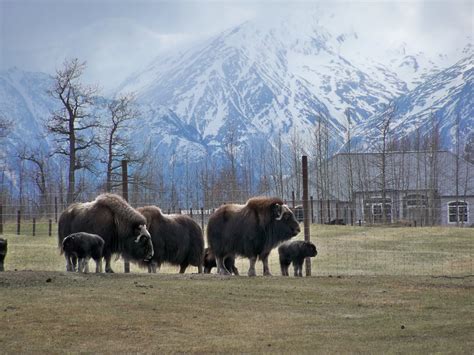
<point>55,209</point>
<point>306,221</point>
<point>1,219</point>
<point>18,222</point>
<point>126,264</point>
<point>202,218</point>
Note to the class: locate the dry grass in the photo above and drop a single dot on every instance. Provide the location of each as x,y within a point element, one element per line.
<point>384,302</point>
<point>208,313</point>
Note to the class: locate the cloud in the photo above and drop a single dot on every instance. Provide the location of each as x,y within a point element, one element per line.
<point>118,37</point>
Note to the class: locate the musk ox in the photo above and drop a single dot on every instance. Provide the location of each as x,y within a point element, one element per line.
<point>110,216</point>
<point>177,239</point>
<point>210,262</point>
<point>82,247</point>
<point>295,252</point>
<point>3,252</point>
<point>251,230</point>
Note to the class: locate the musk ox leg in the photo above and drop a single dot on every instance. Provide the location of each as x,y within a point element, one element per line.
<point>98,265</point>
<point>266,269</point>
<point>235,270</point>
<point>199,269</point>
<point>284,269</point>
<point>252,271</point>
<point>298,267</point>
<point>207,270</point>
<point>68,262</point>
<point>221,270</point>
<point>183,267</point>
<point>85,265</point>
<point>108,268</point>
<point>153,266</point>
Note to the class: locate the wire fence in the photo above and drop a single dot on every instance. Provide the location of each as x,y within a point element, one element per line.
<point>400,247</point>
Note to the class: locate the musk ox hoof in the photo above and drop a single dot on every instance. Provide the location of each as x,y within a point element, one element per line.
<point>267,273</point>
<point>252,273</point>
<point>109,271</point>
<point>224,272</point>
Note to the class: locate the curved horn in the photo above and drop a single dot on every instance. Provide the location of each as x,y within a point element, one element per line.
<point>283,209</point>
<point>143,233</point>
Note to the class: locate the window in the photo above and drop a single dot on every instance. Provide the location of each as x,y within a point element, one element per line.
<point>377,212</point>
<point>457,212</point>
<point>374,210</point>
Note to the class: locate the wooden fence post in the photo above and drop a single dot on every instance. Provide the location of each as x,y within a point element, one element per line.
<point>307,235</point>
<point>126,264</point>
<point>50,227</point>
<point>34,226</point>
<point>1,219</point>
<point>202,219</point>
<point>56,209</point>
<point>18,222</point>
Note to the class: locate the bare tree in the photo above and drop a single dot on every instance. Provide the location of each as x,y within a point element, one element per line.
<point>74,123</point>
<point>350,170</point>
<point>385,132</point>
<point>121,114</point>
<point>39,173</point>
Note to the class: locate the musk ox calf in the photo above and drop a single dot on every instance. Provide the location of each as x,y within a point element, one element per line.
<point>82,247</point>
<point>295,252</point>
<point>251,230</point>
<point>210,262</point>
<point>177,239</point>
<point>3,252</point>
<point>110,216</point>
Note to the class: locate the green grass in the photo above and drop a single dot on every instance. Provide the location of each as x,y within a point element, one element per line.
<point>384,302</point>
<point>342,250</point>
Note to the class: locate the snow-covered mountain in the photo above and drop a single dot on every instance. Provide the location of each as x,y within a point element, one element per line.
<point>441,99</point>
<point>256,81</point>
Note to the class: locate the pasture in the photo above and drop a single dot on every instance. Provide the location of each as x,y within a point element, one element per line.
<point>385,290</point>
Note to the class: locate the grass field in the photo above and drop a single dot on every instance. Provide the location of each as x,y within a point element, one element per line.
<point>394,290</point>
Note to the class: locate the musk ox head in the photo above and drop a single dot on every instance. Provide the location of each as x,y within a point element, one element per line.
<point>69,243</point>
<point>140,247</point>
<point>309,249</point>
<point>285,220</point>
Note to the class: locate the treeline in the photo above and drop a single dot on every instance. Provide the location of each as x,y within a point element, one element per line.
<point>92,138</point>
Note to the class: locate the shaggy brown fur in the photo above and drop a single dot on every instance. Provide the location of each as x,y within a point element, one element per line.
<point>110,216</point>
<point>251,230</point>
<point>295,252</point>
<point>177,239</point>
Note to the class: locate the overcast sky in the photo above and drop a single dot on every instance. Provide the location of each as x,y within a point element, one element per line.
<point>117,37</point>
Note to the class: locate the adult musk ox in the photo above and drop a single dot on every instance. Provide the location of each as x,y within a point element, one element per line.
<point>3,252</point>
<point>295,252</point>
<point>177,239</point>
<point>210,262</point>
<point>110,216</point>
<point>83,246</point>
<point>251,230</point>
